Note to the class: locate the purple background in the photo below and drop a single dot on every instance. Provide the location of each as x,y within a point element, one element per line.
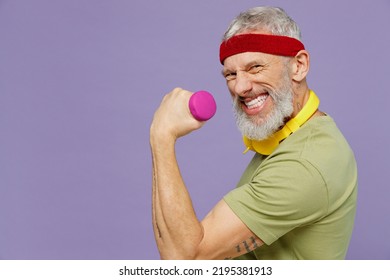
<point>79,83</point>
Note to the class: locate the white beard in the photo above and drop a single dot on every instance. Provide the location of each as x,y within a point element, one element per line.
<point>283,108</point>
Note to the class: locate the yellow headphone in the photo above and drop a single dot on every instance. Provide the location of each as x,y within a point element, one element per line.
<point>267,146</point>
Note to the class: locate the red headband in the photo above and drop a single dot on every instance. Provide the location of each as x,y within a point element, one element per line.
<point>272,44</point>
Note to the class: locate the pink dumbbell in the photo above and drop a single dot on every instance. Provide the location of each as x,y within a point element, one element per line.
<point>202,105</point>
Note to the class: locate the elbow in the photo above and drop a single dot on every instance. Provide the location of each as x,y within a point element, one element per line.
<point>190,247</point>
<point>177,256</point>
<point>194,253</point>
<point>180,254</point>
<point>184,252</point>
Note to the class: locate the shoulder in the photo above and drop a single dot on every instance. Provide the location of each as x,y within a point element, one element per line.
<point>320,142</point>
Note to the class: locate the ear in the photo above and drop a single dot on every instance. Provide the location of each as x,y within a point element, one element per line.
<point>300,66</point>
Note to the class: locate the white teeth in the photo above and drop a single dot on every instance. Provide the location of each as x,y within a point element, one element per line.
<point>257,102</point>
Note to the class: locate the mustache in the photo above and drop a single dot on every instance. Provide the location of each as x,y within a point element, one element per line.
<point>253,94</point>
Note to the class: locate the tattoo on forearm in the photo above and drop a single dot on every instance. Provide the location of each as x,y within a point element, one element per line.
<point>248,245</point>
<point>254,244</point>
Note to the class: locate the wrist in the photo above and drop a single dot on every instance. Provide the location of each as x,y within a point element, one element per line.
<point>161,138</point>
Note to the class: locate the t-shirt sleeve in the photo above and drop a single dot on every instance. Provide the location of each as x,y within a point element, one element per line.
<point>281,196</point>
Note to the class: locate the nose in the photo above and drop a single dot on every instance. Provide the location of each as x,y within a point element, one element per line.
<point>243,83</point>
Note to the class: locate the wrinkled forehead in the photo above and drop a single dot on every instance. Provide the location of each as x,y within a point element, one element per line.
<point>245,60</point>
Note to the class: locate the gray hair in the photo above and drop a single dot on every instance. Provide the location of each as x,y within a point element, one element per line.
<point>272,19</point>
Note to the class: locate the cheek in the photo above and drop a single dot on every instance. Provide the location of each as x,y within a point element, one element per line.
<point>231,91</point>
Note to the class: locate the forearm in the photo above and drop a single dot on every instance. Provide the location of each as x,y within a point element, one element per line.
<point>178,232</point>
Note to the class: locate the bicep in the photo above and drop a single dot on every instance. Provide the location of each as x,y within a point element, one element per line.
<point>225,235</point>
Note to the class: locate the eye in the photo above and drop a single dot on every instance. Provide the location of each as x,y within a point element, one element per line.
<point>230,76</point>
<point>255,69</point>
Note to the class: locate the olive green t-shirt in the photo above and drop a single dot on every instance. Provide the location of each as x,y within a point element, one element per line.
<point>301,199</point>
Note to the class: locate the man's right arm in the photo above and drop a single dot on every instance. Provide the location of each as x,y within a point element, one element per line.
<point>178,232</point>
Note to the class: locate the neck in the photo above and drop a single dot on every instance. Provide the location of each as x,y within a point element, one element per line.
<point>301,95</point>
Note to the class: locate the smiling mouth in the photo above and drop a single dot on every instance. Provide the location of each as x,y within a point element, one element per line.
<point>252,103</point>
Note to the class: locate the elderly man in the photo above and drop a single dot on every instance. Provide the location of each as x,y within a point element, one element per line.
<point>297,197</point>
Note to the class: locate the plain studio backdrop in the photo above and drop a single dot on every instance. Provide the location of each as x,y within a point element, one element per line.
<point>80,81</point>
